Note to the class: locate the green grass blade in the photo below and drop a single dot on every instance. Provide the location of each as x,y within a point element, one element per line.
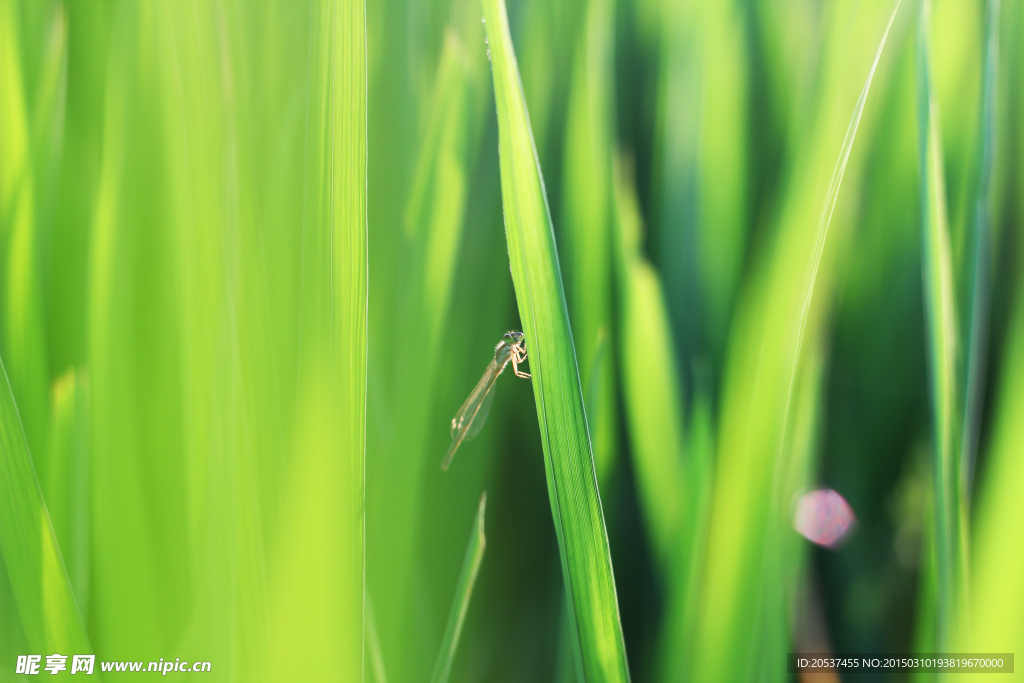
<point>996,564</point>
<point>675,175</point>
<point>652,400</point>
<point>41,589</point>
<point>437,205</point>
<point>545,64</point>
<point>780,311</point>
<point>22,339</point>
<point>942,342</point>
<point>409,343</point>
<point>997,537</point>
<point>586,228</point>
<point>787,550</point>
<point>65,485</point>
<point>722,199</point>
<point>700,206</point>
<point>981,254</point>
<point>137,493</point>
<point>317,572</point>
<point>66,265</point>
<point>569,464</point>
<point>566,665</point>
<point>373,652</point>
<point>35,569</point>
<point>673,477</point>
<point>463,592</point>
<point>227,493</point>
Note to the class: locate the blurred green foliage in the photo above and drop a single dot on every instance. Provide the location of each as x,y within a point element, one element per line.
<point>250,266</point>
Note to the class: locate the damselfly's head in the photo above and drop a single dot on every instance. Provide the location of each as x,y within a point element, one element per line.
<point>513,338</point>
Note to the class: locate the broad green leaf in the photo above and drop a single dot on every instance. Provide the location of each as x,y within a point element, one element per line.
<point>227,337</point>
<point>568,460</point>
<point>316,576</point>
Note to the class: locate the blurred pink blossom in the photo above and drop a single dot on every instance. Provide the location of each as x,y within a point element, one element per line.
<point>823,517</point>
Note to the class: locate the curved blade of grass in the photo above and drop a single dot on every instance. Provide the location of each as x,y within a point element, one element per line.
<point>463,592</point>
<point>35,569</point>
<point>739,614</point>
<point>942,337</point>
<point>568,461</point>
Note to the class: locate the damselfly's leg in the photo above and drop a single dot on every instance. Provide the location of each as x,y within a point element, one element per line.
<point>516,360</point>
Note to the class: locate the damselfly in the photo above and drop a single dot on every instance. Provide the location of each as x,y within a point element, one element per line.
<point>473,413</point>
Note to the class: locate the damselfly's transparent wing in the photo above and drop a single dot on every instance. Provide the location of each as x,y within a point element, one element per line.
<point>473,413</point>
<point>481,415</point>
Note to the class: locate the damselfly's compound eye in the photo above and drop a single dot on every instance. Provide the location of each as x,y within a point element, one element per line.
<point>823,517</point>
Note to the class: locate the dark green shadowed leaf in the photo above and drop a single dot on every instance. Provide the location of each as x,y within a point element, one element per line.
<point>568,461</point>
<point>418,321</point>
<point>463,592</point>
<point>653,400</point>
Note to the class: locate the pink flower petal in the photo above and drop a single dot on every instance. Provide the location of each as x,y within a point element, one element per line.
<point>823,517</point>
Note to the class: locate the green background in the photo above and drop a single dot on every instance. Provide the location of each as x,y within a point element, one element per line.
<point>250,267</point>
